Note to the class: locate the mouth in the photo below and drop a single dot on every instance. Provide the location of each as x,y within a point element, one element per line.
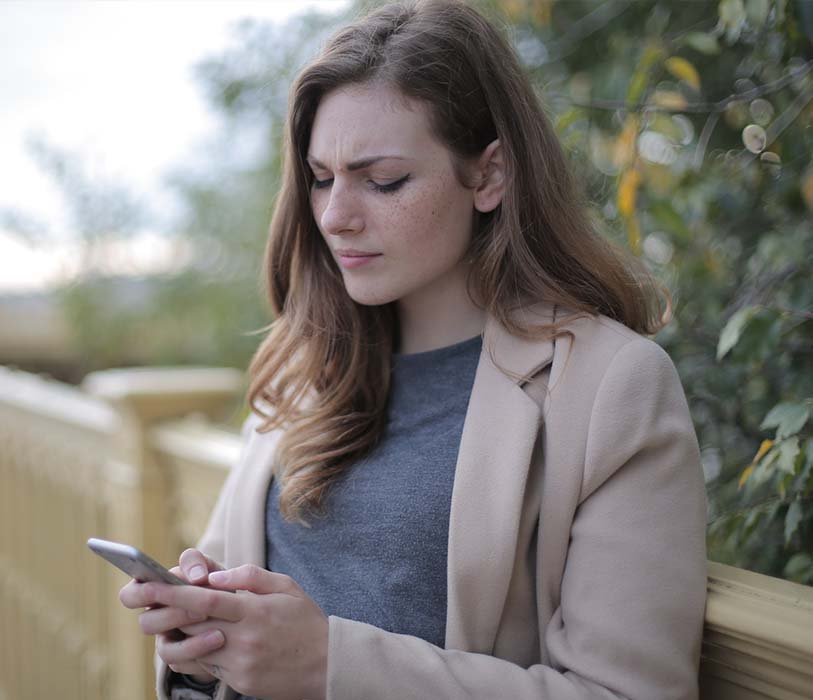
<point>354,258</point>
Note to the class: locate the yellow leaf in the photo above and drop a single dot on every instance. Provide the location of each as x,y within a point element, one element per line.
<point>669,99</point>
<point>761,452</point>
<point>628,191</point>
<point>763,449</point>
<point>683,70</point>
<point>746,473</point>
<point>625,144</point>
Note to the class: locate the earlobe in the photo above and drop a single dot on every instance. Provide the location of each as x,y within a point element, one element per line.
<point>490,189</point>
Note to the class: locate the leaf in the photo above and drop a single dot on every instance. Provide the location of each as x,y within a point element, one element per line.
<point>799,568</point>
<point>745,474</point>
<point>732,18</point>
<point>625,144</point>
<point>732,331</point>
<point>792,519</point>
<point>669,99</point>
<point>704,43</point>
<point>640,78</point>
<point>683,70</point>
<point>634,234</point>
<point>751,522</point>
<point>763,449</point>
<point>568,117</point>
<point>628,191</point>
<point>757,12</point>
<point>787,418</point>
<point>807,469</point>
<point>788,452</point>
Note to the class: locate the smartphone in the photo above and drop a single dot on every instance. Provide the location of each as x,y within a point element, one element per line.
<point>133,561</point>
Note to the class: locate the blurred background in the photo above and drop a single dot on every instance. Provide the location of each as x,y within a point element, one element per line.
<point>140,154</point>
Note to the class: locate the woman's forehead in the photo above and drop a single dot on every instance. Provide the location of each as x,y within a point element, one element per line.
<point>360,122</point>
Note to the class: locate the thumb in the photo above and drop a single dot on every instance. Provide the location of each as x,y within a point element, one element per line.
<point>255,579</point>
<point>195,565</point>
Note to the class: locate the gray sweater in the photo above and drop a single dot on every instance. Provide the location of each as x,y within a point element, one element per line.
<point>379,554</point>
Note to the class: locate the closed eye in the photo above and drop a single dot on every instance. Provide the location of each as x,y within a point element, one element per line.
<point>390,186</point>
<point>384,189</point>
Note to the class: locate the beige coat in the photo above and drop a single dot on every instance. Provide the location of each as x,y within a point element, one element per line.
<point>577,561</point>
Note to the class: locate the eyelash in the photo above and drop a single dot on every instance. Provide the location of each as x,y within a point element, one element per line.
<point>389,188</point>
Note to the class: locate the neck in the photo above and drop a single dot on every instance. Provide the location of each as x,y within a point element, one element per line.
<point>437,317</point>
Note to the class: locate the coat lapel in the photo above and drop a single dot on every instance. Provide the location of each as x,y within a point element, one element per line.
<point>499,434</point>
<point>247,540</point>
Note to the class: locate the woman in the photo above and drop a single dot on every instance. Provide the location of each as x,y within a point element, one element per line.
<point>467,474</point>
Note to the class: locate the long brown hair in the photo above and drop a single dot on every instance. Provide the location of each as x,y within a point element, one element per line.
<point>322,372</point>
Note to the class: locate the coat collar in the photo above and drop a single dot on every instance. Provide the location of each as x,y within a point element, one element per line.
<point>496,450</point>
<point>521,358</point>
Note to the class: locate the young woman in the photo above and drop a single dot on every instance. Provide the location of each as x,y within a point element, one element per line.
<point>468,474</point>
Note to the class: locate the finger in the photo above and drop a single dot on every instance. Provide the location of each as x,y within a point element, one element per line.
<point>194,628</point>
<point>255,579</point>
<point>184,651</point>
<point>161,620</point>
<point>191,668</point>
<point>197,599</point>
<point>196,565</point>
<point>134,595</point>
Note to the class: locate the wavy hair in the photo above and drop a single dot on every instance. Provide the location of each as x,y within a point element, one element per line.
<point>321,374</point>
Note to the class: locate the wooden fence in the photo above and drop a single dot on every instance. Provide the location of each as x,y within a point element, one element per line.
<point>136,456</point>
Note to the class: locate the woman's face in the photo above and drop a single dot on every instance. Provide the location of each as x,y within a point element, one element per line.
<point>385,187</point>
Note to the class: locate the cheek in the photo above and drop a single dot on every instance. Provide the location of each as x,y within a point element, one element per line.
<point>436,213</point>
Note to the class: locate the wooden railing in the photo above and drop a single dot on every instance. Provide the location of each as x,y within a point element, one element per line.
<point>135,456</point>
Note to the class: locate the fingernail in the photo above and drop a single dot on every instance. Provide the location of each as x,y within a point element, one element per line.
<point>197,572</point>
<point>215,636</point>
<point>219,577</point>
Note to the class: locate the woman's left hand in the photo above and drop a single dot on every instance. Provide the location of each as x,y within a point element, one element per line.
<point>276,636</point>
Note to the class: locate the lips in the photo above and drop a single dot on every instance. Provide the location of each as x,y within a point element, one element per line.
<point>353,253</point>
<point>350,257</point>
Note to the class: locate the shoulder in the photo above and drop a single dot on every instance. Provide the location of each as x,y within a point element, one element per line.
<point>629,397</point>
<point>598,347</point>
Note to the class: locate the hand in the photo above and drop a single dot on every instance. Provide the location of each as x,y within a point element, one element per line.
<point>275,636</point>
<point>164,622</point>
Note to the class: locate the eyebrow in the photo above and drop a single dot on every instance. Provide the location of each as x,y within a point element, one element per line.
<point>355,164</point>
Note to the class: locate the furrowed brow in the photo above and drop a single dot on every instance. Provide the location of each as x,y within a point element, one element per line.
<point>355,164</point>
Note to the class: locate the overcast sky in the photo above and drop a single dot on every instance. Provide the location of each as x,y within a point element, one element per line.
<point>87,77</point>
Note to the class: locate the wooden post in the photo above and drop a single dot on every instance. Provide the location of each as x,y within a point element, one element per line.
<point>138,493</point>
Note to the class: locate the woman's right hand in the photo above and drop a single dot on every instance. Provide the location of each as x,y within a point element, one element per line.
<point>165,622</point>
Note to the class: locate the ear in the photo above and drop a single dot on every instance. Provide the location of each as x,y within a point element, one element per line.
<point>491,178</point>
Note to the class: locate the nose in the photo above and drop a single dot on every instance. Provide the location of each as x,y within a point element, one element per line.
<point>342,213</point>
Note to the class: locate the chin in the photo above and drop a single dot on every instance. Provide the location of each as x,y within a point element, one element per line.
<point>370,297</point>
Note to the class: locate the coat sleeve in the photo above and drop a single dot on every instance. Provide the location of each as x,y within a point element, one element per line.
<point>629,623</point>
